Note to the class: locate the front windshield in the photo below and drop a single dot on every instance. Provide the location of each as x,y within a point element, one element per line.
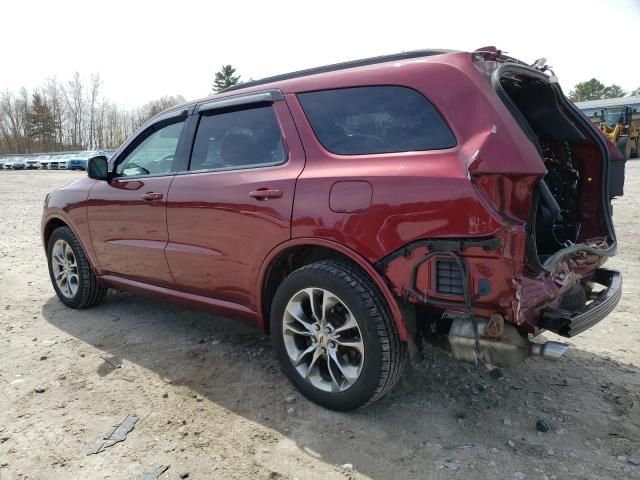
<point>613,116</point>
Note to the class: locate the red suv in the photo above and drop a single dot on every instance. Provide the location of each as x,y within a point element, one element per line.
<point>356,210</point>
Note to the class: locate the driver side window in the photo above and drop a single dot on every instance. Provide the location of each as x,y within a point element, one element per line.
<point>153,155</point>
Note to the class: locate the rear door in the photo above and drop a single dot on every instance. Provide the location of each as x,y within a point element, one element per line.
<point>233,205</point>
<point>127,216</point>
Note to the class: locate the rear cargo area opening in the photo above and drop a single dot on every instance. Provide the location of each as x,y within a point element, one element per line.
<point>567,204</point>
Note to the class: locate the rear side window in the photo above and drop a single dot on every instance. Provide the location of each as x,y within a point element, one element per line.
<point>238,139</point>
<point>380,119</point>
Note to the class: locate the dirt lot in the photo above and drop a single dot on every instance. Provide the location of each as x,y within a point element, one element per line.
<point>212,402</point>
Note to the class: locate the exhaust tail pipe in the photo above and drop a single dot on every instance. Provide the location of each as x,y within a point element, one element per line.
<point>549,351</point>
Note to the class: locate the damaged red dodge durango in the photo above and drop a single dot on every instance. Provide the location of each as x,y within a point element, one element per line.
<point>356,210</point>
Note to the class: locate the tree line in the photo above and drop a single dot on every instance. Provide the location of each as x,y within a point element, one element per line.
<point>73,115</point>
<point>69,115</point>
<point>594,89</point>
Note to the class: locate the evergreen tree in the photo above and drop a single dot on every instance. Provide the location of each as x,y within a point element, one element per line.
<point>594,89</point>
<point>225,78</point>
<point>41,123</point>
<point>614,91</point>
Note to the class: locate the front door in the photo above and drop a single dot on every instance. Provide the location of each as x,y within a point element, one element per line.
<point>233,205</point>
<point>128,215</point>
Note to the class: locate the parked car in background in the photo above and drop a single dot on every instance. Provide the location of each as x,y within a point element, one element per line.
<point>79,161</point>
<point>43,159</point>
<point>8,163</point>
<point>57,162</point>
<point>19,164</point>
<point>63,163</point>
<point>353,211</point>
<point>33,163</point>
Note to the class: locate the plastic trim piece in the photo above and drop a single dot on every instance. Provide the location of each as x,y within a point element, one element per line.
<point>440,245</point>
<point>268,96</point>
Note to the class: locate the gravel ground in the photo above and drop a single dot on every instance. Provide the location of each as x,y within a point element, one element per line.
<point>213,404</point>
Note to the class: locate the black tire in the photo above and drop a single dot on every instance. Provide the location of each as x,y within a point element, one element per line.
<point>89,291</point>
<point>385,354</point>
<point>624,145</point>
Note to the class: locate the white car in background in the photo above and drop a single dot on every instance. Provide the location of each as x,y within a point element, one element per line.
<point>57,162</point>
<point>63,161</point>
<point>38,162</point>
<point>19,163</point>
<point>44,164</point>
<point>33,163</point>
<point>8,163</point>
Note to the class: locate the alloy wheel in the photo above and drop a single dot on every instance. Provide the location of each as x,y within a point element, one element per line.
<point>65,268</point>
<point>323,340</point>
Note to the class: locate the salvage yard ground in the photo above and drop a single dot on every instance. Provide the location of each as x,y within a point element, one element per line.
<point>212,402</point>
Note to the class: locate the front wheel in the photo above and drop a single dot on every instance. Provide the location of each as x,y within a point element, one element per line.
<point>71,274</point>
<point>334,336</point>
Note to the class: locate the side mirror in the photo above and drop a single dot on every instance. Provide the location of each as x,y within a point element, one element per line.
<point>98,168</point>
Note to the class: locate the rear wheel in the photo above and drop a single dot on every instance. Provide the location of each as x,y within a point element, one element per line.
<point>71,274</point>
<point>334,336</point>
<point>624,145</point>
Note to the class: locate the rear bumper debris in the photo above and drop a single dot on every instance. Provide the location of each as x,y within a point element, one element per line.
<point>571,323</point>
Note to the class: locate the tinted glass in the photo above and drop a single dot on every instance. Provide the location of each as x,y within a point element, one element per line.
<point>358,121</point>
<point>238,139</point>
<point>154,155</point>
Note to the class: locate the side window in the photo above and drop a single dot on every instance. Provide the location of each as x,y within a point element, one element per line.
<point>380,119</point>
<point>237,139</point>
<point>153,155</point>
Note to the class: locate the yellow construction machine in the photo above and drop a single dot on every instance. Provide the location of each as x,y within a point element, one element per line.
<point>622,126</point>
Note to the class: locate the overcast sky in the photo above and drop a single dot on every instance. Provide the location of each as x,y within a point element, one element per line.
<point>147,49</point>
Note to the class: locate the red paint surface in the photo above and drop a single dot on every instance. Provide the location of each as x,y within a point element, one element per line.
<point>350,196</point>
<point>129,234</point>
<point>219,234</point>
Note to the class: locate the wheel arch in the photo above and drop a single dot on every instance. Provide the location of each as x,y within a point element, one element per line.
<point>50,225</point>
<point>55,220</point>
<point>296,253</point>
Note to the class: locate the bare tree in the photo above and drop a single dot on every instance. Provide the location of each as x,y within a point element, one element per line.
<point>68,116</point>
<point>23,112</point>
<point>54,93</point>
<point>94,90</point>
<point>12,122</point>
<point>74,106</point>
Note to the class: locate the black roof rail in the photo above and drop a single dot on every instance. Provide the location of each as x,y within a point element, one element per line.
<point>339,66</point>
